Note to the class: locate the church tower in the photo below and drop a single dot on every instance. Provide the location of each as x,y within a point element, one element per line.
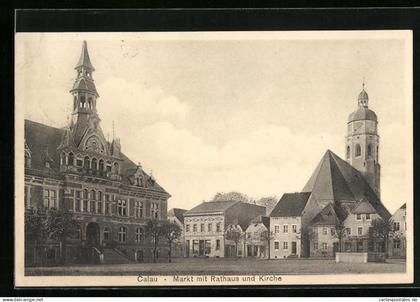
<point>362,142</point>
<point>84,90</point>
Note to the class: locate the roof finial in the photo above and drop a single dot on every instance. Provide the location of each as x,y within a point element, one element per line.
<point>113,130</point>
<point>363,84</point>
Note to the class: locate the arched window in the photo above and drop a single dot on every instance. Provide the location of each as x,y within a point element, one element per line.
<point>358,150</point>
<point>116,168</point>
<point>369,150</point>
<point>348,152</point>
<point>90,103</point>
<point>87,162</point>
<point>122,234</point>
<point>107,234</point>
<point>82,102</point>
<point>75,103</point>
<point>27,160</point>
<point>94,164</point>
<point>108,166</point>
<point>71,159</point>
<point>101,165</point>
<point>63,158</point>
<point>85,200</point>
<point>122,207</point>
<point>92,201</point>
<point>139,235</point>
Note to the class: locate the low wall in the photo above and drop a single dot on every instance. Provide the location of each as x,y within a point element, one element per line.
<point>362,257</point>
<point>351,257</point>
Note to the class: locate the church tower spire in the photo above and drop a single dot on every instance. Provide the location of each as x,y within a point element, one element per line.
<point>84,90</point>
<point>362,141</point>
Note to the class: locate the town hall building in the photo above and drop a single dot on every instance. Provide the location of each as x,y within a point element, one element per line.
<point>76,169</point>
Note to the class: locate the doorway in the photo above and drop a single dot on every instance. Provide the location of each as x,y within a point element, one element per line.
<point>92,234</point>
<point>294,248</point>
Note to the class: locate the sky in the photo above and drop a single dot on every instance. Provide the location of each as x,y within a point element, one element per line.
<point>219,112</point>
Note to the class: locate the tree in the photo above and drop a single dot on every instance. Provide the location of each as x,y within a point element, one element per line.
<point>268,202</point>
<point>155,230</point>
<point>234,196</point>
<point>172,232</point>
<point>34,229</point>
<point>307,234</point>
<point>60,225</point>
<point>340,234</point>
<point>234,234</point>
<point>267,236</point>
<point>379,231</point>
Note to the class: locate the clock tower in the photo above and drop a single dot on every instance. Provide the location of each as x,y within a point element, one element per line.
<point>362,142</point>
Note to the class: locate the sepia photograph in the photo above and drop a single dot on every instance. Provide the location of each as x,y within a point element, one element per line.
<point>213,158</point>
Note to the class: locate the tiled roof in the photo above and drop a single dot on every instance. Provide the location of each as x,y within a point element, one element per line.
<point>211,207</point>
<point>337,181</point>
<point>363,207</point>
<point>178,213</point>
<point>327,216</point>
<point>38,136</point>
<point>291,204</point>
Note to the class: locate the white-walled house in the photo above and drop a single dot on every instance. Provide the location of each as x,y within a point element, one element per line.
<point>286,224</point>
<point>397,242</point>
<point>258,237</point>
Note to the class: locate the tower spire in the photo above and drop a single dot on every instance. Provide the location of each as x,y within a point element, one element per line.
<point>84,60</point>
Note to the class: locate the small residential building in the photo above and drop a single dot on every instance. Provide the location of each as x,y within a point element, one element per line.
<point>176,216</point>
<point>205,226</point>
<point>257,238</point>
<point>286,225</point>
<point>397,241</point>
<point>323,234</point>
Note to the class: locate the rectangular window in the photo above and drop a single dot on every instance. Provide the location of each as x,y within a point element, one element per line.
<point>294,228</point>
<point>187,228</point>
<point>358,216</point>
<point>194,228</point>
<point>276,229</point>
<point>276,245</point>
<point>50,199</point>
<point>359,231</point>
<point>315,245</point>
<point>202,228</point>
<point>154,210</point>
<point>122,207</point>
<point>396,226</point>
<point>138,209</point>
<point>78,201</point>
<point>217,245</point>
<point>325,231</point>
<point>218,227</point>
<point>348,231</point>
<point>139,235</point>
<point>397,244</point>
<point>324,246</point>
<point>108,204</point>
<point>285,228</point>
<point>367,216</point>
<point>209,227</point>
<point>285,245</point>
<point>332,230</point>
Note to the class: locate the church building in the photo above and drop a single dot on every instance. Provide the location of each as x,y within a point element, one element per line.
<point>76,169</point>
<point>340,200</point>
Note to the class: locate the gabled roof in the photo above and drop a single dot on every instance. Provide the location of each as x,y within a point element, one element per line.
<point>211,207</point>
<point>178,213</point>
<point>363,207</point>
<point>291,204</point>
<point>84,59</point>
<point>38,136</point>
<point>327,216</point>
<point>337,181</point>
<point>261,219</point>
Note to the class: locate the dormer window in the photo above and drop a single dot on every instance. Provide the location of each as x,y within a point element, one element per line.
<point>139,181</point>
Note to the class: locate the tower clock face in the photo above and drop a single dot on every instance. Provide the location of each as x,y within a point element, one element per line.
<point>94,144</point>
<point>357,127</point>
